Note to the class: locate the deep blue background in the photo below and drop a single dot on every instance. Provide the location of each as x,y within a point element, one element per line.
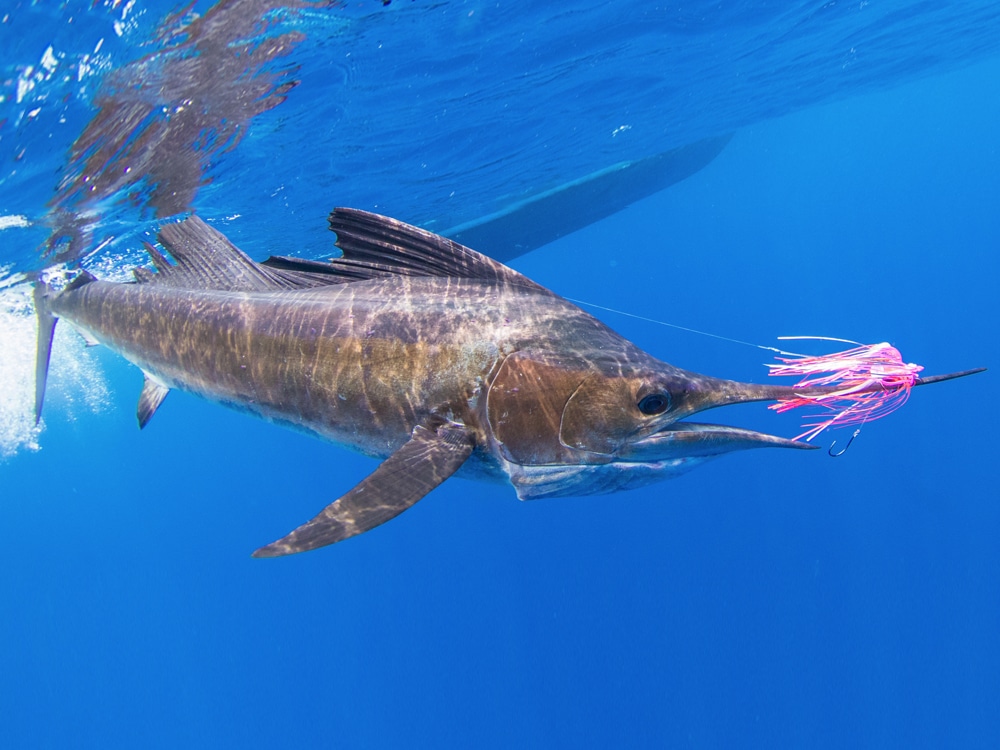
<point>772,599</point>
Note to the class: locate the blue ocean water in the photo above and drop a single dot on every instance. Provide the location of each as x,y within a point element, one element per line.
<point>767,599</point>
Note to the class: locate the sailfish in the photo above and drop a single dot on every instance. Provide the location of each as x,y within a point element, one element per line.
<point>411,348</point>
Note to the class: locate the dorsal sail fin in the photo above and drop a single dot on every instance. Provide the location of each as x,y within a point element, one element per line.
<point>376,246</point>
<point>206,259</point>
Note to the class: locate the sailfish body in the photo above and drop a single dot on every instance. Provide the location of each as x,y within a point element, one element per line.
<point>411,348</point>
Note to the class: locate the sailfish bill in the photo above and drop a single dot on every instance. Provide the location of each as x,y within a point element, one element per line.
<point>411,348</point>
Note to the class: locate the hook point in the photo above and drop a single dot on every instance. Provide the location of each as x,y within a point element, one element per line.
<point>843,450</point>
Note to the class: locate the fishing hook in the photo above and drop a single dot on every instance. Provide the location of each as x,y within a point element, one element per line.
<point>843,450</point>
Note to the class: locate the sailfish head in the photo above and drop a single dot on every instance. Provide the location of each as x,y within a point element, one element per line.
<point>589,425</point>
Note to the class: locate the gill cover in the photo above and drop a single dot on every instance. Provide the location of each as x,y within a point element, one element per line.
<point>546,409</point>
<point>525,402</point>
<point>600,414</point>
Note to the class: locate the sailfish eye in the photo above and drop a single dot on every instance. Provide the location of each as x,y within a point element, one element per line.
<point>654,403</point>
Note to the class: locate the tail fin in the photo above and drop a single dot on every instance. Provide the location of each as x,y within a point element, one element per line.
<point>46,328</point>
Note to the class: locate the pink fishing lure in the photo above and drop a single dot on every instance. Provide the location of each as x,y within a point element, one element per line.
<point>874,382</point>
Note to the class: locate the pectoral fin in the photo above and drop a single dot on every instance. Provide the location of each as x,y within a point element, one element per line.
<point>431,455</point>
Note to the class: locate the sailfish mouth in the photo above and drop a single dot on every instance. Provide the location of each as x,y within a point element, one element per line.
<point>698,440</point>
<point>680,439</point>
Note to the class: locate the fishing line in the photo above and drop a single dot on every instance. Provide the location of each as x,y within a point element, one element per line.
<point>774,349</point>
<point>844,388</point>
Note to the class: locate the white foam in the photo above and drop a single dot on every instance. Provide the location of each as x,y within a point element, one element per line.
<point>76,382</point>
<point>14,220</point>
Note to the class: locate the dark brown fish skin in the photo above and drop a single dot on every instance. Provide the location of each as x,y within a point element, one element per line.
<point>360,366</point>
<point>360,363</point>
